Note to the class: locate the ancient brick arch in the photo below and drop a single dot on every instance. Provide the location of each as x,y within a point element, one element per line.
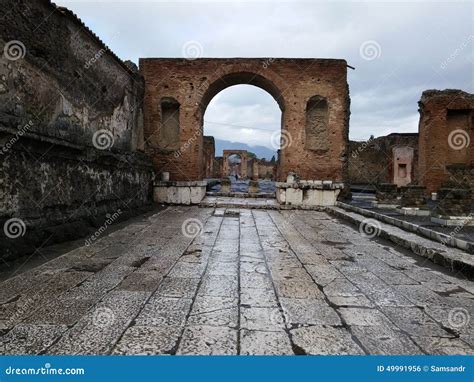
<point>243,162</point>
<point>314,148</point>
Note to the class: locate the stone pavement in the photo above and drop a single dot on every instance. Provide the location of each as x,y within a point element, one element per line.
<point>192,280</point>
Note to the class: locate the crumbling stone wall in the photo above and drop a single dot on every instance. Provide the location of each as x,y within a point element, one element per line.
<point>313,144</point>
<point>446,131</point>
<point>70,127</point>
<point>59,75</point>
<point>377,160</point>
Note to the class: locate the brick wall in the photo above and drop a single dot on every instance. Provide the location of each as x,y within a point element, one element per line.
<point>292,82</point>
<point>446,129</point>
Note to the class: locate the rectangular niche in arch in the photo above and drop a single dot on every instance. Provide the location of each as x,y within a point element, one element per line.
<point>169,126</point>
<point>317,125</point>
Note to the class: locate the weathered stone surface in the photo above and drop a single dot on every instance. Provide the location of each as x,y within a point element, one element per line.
<point>219,286</point>
<point>444,346</point>
<point>381,339</point>
<point>415,322</point>
<point>102,326</point>
<point>320,340</point>
<point>254,342</point>
<point>68,144</point>
<point>297,289</point>
<point>244,281</point>
<point>30,339</point>
<point>164,311</point>
<point>255,280</point>
<point>267,319</point>
<point>363,317</point>
<point>208,340</point>
<point>258,298</point>
<point>187,270</point>
<point>308,312</point>
<point>147,340</point>
<point>178,287</point>
<point>356,300</point>
<point>214,311</point>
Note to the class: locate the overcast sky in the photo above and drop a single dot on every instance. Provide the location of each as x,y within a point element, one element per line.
<point>398,49</point>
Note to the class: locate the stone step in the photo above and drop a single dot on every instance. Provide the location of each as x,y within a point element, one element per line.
<point>451,258</point>
<point>252,203</point>
<point>264,195</point>
<point>449,240</point>
<point>234,202</point>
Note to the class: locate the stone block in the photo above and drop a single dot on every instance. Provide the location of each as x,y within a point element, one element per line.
<point>329,197</point>
<point>294,196</point>
<point>173,195</point>
<point>281,195</point>
<point>312,197</point>
<point>184,195</point>
<point>197,194</point>
<point>160,194</point>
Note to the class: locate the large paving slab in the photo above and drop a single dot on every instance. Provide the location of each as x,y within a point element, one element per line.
<point>232,280</point>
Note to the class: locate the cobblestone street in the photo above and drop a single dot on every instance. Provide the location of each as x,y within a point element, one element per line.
<point>191,280</point>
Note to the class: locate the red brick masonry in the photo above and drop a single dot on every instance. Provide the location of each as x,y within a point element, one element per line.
<point>292,82</point>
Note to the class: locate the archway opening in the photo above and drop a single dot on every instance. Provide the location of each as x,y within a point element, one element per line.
<point>242,127</point>
<point>235,165</point>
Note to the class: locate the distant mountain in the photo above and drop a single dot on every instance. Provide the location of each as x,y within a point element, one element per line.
<point>259,151</point>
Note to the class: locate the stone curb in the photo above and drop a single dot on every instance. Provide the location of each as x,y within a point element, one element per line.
<point>451,258</point>
<point>280,207</point>
<point>262,195</point>
<point>411,227</point>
